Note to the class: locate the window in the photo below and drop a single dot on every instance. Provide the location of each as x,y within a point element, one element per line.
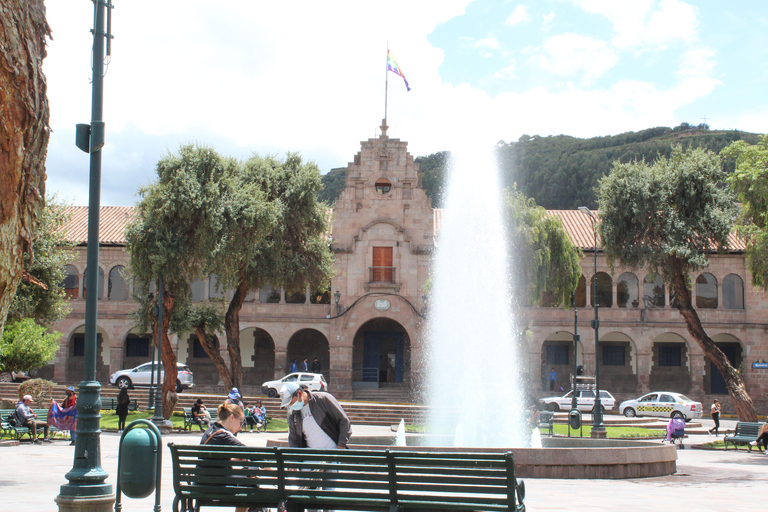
<point>198,352</point>
<point>198,290</point>
<point>557,354</point>
<point>667,399</point>
<point>649,398</point>
<point>100,294</point>
<point>670,355</point>
<point>383,186</point>
<point>604,290</point>
<point>117,288</point>
<point>269,295</point>
<point>137,346</point>
<point>78,345</point>
<point>382,270</point>
<point>71,282</point>
<point>613,355</point>
<point>626,291</point>
<point>706,291</point>
<point>733,292</point>
<point>653,287</point>
<point>306,378</point>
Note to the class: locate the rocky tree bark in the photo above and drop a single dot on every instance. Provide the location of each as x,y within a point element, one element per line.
<point>24,133</point>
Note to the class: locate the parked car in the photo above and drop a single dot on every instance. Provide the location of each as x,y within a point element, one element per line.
<point>662,404</point>
<point>314,381</point>
<point>585,401</point>
<point>142,376</point>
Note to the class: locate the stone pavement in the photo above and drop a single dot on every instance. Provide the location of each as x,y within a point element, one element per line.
<point>30,477</point>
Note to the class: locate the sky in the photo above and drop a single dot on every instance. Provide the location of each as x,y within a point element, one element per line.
<point>266,77</point>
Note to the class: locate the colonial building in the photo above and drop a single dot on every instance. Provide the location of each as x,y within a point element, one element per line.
<point>367,331</point>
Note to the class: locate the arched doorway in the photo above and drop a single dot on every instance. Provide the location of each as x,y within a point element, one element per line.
<point>381,355</point>
<point>670,363</point>
<point>201,364</point>
<point>76,357</point>
<point>557,354</point>
<point>618,363</point>
<point>258,353</point>
<point>730,345</point>
<point>310,344</point>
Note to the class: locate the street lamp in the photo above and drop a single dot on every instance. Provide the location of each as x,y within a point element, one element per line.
<point>598,429</point>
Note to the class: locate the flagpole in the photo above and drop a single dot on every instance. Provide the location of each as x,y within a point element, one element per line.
<point>386,84</point>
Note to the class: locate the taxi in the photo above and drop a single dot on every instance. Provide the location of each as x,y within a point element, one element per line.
<point>662,404</point>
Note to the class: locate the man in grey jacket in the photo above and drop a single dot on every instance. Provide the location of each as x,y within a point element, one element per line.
<point>28,419</point>
<point>315,419</point>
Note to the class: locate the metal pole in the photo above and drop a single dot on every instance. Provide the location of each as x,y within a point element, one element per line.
<point>87,478</point>
<point>598,429</point>
<point>576,337</point>
<point>158,418</point>
<point>386,85</point>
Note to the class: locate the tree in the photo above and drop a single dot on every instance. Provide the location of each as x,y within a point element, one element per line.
<point>749,182</point>
<point>24,136</point>
<point>176,231</point>
<point>41,294</point>
<point>276,234</point>
<point>546,262</point>
<point>26,345</point>
<point>669,216</point>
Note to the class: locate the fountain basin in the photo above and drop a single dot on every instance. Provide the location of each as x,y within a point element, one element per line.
<point>559,457</point>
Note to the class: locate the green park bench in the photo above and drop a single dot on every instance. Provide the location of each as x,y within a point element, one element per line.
<point>746,432</point>
<point>18,431</point>
<point>189,420</point>
<point>372,480</point>
<point>111,404</point>
<point>547,421</point>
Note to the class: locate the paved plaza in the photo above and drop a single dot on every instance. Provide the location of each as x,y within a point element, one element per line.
<point>705,480</point>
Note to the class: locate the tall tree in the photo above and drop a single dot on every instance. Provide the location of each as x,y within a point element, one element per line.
<point>178,226</point>
<point>669,216</point>
<point>546,263</point>
<point>275,234</point>
<point>750,183</point>
<point>24,136</point>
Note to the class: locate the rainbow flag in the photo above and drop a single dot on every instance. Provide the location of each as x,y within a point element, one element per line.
<point>393,67</point>
<point>63,419</point>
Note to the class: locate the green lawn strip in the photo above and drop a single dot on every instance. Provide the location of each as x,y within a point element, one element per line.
<point>611,432</point>
<point>720,445</point>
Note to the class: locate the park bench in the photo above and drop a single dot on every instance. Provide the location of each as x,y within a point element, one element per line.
<point>547,421</point>
<point>746,432</point>
<point>111,404</point>
<point>189,419</point>
<point>373,480</point>
<point>18,431</point>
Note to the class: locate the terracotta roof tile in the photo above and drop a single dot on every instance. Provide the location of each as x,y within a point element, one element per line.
<point>112,222</point>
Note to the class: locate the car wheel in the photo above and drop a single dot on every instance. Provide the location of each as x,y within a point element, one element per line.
<point>178,387</point>
<point>123,382</point>
<point>677,414</point>
<point>629,412</point>
<point>272,393</point>
<point>553,407</point>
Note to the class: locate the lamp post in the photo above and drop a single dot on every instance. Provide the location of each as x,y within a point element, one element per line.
<point>158,418</point>
<point>598,429</point>
<point>576,338</point>
<point>87,488</point>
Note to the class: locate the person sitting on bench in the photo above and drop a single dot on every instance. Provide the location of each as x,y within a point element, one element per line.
<point>27,418</point>
<point>762,437</point>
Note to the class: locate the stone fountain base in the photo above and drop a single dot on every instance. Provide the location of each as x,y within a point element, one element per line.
<point>559,457</point>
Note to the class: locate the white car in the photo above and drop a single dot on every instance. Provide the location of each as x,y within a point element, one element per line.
<point>662,404</point>
<point>142,376</point>
<point>585,401</point>
<point>313,381</point>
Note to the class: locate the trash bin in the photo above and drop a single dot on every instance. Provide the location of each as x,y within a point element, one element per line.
<point>574,419</point>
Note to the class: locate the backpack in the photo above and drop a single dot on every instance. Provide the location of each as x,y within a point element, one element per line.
<point>12,421</point>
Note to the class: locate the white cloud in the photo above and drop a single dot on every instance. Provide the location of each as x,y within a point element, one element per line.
<point>548,18</point>
<point>569,54</point>
<point>505,72</point>
<point>519,15</point>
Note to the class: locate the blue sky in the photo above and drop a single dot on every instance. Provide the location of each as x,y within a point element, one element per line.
<point>270,77</point>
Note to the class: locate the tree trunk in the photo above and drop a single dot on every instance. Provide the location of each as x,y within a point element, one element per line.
<point>745,409</point>
<point>169,359</point>
<point>232,328</point>
<point>24,136</point>
<point>213,353</point>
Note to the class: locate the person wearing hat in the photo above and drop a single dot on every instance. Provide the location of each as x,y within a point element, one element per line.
<point>315,419</point>
<point>234,397</point>
<point>200,414</point>
<point>27,419</point>
<point>70,401</point>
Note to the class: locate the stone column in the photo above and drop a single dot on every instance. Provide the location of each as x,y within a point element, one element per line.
<point>589,293</point>
<point>615,293</point>
<point>280,356</point>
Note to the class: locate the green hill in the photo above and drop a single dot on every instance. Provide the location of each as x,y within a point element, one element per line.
<point>560,171</point>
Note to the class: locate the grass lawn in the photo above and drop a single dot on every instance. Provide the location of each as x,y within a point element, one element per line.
<point>562,429</point>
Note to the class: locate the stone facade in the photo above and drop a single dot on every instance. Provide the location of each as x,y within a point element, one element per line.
<point>368,331</point>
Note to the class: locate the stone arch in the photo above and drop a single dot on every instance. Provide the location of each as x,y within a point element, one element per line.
<point>72,282</point>
<point>580,297</point>
<point>117,287</point>
<point>307,344</point>
<point>257,348</point>
<point>200,362</point>
<point>618,363</point>
<point>557,353</point>
<point>670,363</point>
<point>604,289</point>
<point>100,281</point>
<point>653,288</point>
<point>381,354</point>
<point>75,360</point>
<point>706,291</point>
<point>627,291</point>
<point>733,292</point>
<point>733,349</point>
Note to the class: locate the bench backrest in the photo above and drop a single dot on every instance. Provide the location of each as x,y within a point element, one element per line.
<point>374,479</point>
<point>546,416</point>
<point>747,428</point>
